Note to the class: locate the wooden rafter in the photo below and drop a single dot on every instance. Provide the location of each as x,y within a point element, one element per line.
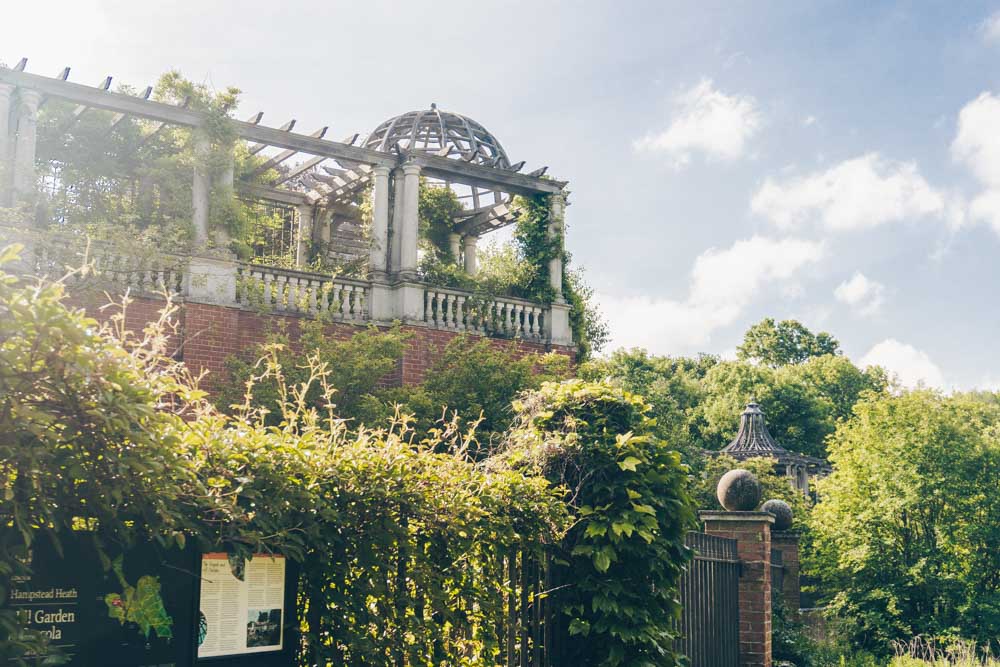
<point>449,170</point>
<point>286,154</point>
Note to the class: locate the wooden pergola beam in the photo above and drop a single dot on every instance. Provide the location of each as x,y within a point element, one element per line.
<point>450,170</point>
<point>284,155</point>
<point>298,170</point>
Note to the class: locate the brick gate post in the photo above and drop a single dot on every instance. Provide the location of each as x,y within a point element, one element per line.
<point>752,532</point>
<point>788,544</point>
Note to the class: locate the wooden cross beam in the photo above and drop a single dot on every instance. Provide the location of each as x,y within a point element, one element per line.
<point>450,170</point>
<point>287,127</point>
<point>117,119</point>
<point>298,170</point>
<point>159,126</point>
<point>284,155</point>
<point>310,163</point>
<point>82,108</point>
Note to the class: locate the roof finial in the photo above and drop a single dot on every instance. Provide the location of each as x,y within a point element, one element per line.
<point>434,106</point>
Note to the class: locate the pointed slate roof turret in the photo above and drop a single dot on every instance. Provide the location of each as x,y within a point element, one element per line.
<point>753,438</point>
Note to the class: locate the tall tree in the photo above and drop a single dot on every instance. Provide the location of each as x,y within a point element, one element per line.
<point>786,342</point>
<point>907,528</point>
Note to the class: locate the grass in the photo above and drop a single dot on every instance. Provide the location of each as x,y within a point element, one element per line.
<point>921,652</point>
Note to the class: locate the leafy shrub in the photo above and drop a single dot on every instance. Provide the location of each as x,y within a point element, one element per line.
<point>353,368</point>
<point>616,571</point>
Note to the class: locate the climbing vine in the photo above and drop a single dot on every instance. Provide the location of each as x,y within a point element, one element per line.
<point>114,179</point>
<point>519,269</point>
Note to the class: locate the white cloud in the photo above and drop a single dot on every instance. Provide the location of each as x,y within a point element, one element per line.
<point>808,120</point>
<point>977,143</point>
<point>862,192</point>
<point>912,367</point>
<point>986,208</point>
<point>977,146</point>
<point>723,283</point>
<point>991,27</point>
<point>861,293</point>
<point>707,121</point>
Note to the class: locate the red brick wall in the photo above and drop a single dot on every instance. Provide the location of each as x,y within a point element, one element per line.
<point>425,348</point>
<point>207,335</point>
<point>788,545</point>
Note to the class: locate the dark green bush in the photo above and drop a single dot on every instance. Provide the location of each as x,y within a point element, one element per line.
<point>616,571</point>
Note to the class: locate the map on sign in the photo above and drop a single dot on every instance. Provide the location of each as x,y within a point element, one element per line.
<point>140,604</point>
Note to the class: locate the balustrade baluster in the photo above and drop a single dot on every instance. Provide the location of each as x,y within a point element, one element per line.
<point>265,278</point>
<point>449,314</point>
<point>291,293</point>
<point>438,308</point>
<point>312,299</point>
<point>460,314</point>
<point>345,301</point>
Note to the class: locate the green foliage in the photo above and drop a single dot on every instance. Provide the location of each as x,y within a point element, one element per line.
<point>790,641</point>
<point>477,379</point>
<point>355,366</point>
<point>438,206</point>
<point>786,342</point>
<point>673,386</point>
<point>137,179</point>
<point>89,436</point>
<point>802,402</point>
<point>537,247</point>
<point>699,400</point>
<point>400,540</point>
<point>907,530</point>
<point>616,571</point>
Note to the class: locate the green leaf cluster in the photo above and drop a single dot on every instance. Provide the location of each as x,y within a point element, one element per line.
<point>698,400</point>
<point>400,537</point>
<point>907,529</point>
<point>616,572</point>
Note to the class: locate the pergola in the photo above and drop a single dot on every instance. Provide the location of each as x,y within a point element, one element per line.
<point>754,440</point>
<point>316,175</point>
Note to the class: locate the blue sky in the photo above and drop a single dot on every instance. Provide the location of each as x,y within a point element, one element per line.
<point>838,163</point>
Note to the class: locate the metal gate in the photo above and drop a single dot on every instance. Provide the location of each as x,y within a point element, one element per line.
<point>710,599</point>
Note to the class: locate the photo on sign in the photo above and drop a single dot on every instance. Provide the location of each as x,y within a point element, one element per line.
<point>263,627</point>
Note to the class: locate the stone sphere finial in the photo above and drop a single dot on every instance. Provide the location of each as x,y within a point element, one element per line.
<point>738,491</point>
<point>781,511</point>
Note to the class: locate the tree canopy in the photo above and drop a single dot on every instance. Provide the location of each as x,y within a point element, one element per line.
<point>907,527</point>
<point>697,401</point>
<point>783,343</point>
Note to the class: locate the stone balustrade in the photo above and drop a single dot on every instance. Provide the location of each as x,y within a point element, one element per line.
<point>287,291</point>
<point>499,317</point>
<point>106,264</point>
<point>222,281</point>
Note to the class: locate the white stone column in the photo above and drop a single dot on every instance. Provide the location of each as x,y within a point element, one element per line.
<point>455,245</point>
<point>379,258</point>
<point>410,229</point>
<point>200,191</point>
<point>303,234</point>
<point>225,187</point>
<point>557,206</point>
<point>398,192</point>
<point>27,135</point>
<point>471,266</point>
<point>6,159</point>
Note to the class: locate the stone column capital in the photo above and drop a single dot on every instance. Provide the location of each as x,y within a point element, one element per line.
<point>411,169</point>
<point>380,171</point>
<point>6,90</point>
<point>30,98</point>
